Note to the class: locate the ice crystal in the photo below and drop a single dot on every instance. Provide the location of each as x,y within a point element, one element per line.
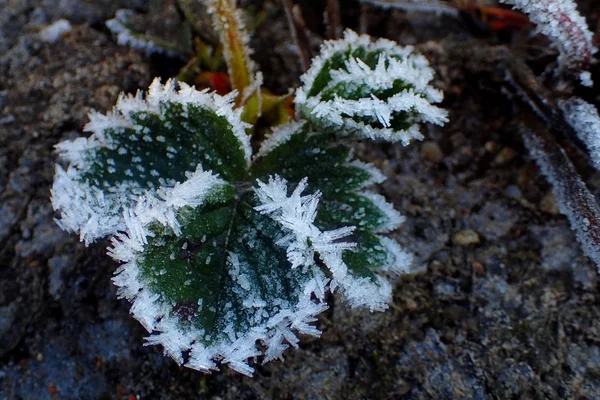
<point>574,199</point>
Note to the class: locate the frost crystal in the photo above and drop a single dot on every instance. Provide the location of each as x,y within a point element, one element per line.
<point>344,210</point>
<point>297,214</point>
<point>562,23</point>
<point>377,90</point>
<point>574,199</point>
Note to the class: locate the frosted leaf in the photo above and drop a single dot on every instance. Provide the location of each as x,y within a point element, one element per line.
<point>144,143</point>
<point>209,276</point>
<point>126,36</point>
<point>351,265</point>
<point>434,6</point>
<point>376,90</point>
<point>574,199</point>
<point>338,199</point>
<point>564,25</point>
<point>584,119</point>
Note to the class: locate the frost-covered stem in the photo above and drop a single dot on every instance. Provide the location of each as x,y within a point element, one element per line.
<point>436,6</point>
<point>234,38</point>
<point>585,121</point>
<point>188,13</point>
<point>333,18</point>
<point>564,25</point>
<point>574,199</point>
<point>298,34</point>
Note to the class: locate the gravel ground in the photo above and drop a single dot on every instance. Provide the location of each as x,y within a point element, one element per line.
<point>502,303</point>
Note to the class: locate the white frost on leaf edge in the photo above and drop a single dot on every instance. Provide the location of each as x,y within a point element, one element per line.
<point>279,135</point>
<point>584,119</point>
<point>283,133</point>
<point>413,68</point>
<point>393,218</point>
<point>86,209</point>
<point>95,213</point>
<point>306,242</point>
<point>125,37</point>
<point>158,94</point>
<point>277,334</point>
<point>566,27</point>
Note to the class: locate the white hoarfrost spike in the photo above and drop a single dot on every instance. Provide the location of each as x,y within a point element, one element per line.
<point>393,218</point>
<point>564,25</point>
<point>399,260</point>
<point>85,209</point>
<point>280,135</point>
<point>297,214</point>
<point>96,212</point>
<point>363,292</point>
<point>376,175</point>
<point>352,104</point>
<point>584,119</point>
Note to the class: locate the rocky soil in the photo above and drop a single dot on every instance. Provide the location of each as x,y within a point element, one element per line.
<point>502,303</point>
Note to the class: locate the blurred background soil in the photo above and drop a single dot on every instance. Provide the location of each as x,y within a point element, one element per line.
<point>502,303</point>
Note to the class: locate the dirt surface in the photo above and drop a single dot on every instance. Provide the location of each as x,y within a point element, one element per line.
<point>502,303</point>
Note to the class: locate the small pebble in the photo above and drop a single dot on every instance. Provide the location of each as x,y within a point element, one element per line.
<point>548,204</point>
<point>432,152</point>
<point>55,31</point>
<point>513,192</point>
<point>505,156</point>
<point>466,238</point>
<point>490,146</point>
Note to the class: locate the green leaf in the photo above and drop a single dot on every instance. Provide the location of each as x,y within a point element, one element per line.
<point>320,159</point>
<point>142,145</point>
<point>215,276</point>
<point>373,89</point>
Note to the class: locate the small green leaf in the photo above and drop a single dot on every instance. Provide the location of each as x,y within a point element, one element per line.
<point>144,144</point>
<point>376,90</point>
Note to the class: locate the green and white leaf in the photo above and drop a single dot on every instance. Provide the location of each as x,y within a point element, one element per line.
<point>325,165</point>
<point>144,143</point>
<point>376,90</point>
<point>208,274</point>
